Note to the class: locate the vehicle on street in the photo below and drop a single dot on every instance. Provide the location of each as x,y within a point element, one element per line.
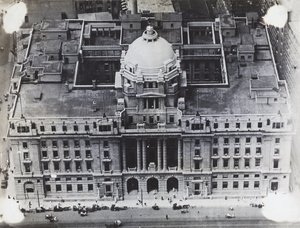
<point>176,206</point>
<point>184,211</point>
<point>229,215</point>
<point>4,184</point>
<point>155,207</point>
<point>51,218</point>
<point>114,224</point>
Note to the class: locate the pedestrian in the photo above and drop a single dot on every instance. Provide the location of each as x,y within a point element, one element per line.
<point>167,217</point>
<point>8,196</point>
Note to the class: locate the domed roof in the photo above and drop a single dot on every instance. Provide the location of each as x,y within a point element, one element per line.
<point>149,50</point>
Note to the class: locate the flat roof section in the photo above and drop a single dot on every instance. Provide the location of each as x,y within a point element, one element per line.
<point>54,25</point>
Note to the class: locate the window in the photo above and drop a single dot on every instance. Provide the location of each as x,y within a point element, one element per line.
<point>106,166</point>
<point>79,188</point>
<point>67,166</point>
<point>55,154</point>
<point>277,140</point>
<point>66,143</point>
<point>75,127</point>
<point>276,151</point>
<point>235,184</point>
<point>78,166</point>
<point>42,128</point>
<point>237,125</point>
<point>79,178</point>
<point>89,165</point>
<point>87,143</point>
<point>215,140</point>
<point>45,166</point>
<point>246,184</point>
<point>277,125</point>
<point>107,188</point>
<point>248,125</point>
<point>44,154</point>
<point>256,184</point>
<point>69,188</point>
<point>56,166</point>
<point>248,140</point>
<point>77,143</point>
<point>225,150</point>
<point>95,125</point>
<point>90,187</point>
<point>105,143</point>
<point>224,184</point>
<point>226,140</point>
<point>235,176</point>
<point>215,163</point>
<point>247,151</point>
<point>66,154</point>
<point>236,151</point>
<point>258,150</point>
<point>247,163</point>
<point>225,163</point>
<point>104,128</point>
<point>256,175</point>
<point>86,127</point>
<point>58,188</point>
<point>25,155</point>
<point>214,185</point>
<point>215,125</point>
<point>258,140</point>
<point>64,128</point>
<point>53,128</point>
<point>226,125</point>
<point>106,154</point>
<point>54,143</point>
<point>171,119</point>
<point>22,129</point>
<point>257,162</point>
<point>197,165</point>
<point>259,124</point>
<point>215,151</point>
<point>44,144</point>
<point>275,163</point>
<point>236,162</point>
<point>48,188</point>
<point>197,142</point>
<point>77,153</point>
<point>246,175</point>
<point>197,152</point>
<point>237,140</point>
<point>88,154</point>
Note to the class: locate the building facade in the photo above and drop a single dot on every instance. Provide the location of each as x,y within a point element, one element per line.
<point>149,108</point>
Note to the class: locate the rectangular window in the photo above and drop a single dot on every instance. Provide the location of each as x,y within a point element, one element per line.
<point>226,150</point>
<point>225,163</point>
<point>42,128</point>
<point>197,152</point>
<point>258,150</point>
<point>75,127</point>
<point>79,188</point>
<point>86,127</point>
<point>66,154</point>
<point>197,165</point>
<point>107,188</point>
<point>56,166</point>
<point>226,140</point>
<point>215,163</point>
<point>237,125</point>
<point>55,154</point>
<point>214,185</point>
<point>259,124</point>
<point>90,187</point>
<point>236,151</point>
<point>215,140</point>
<point>77,153</point>
<point>247,163</point>
<point>236,163</point>
<point>237,140</point>
<point>247,151</point>
<point>27,167</point>
<point>235,176</point>
<point>69,188</point>
<point>248,125</point>
<point>45,166</point>
<point>256,184</point>
<point>216,125</point>
<point>44,144</point>
<point>224,184</point>
<point>105,143</point>
<point>78,166</point>
<point>171,119</point>
<point>89,165</point>
<point>64,128</point>
<point>58,188</point>
<point>215,151</point>
<point>67,166</point>
<point>256,175</point>
<point>106,166</point>
<point>48,188</point>
<point>257,162</point>
<point>53,128</point>
<point>276,151</point>
<point>235,184</point>
<point>226,125</point>
<point>258,140</point>
<point>87,143</point>
<point>88,154</point>
<point>77,143</point>
<point>197,142</point>
<point>66,143</point>
<point>54,144</point>
<point>246,184</point>
<point>275,163</point>
<point>277,140</point>
<point>44,154</point>
<point>248,140</point>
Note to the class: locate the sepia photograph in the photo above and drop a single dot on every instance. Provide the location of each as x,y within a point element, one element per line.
<point>149,113</point>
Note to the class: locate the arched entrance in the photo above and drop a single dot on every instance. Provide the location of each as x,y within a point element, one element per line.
<point>29,187</point>
<point>172,182</point>
<point>152,184</point>
<point>132,184</point>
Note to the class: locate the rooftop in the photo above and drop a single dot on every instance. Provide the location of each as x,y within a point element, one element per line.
<point>54,25</point>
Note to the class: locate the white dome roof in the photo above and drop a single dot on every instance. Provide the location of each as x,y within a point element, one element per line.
<point>149,51</point>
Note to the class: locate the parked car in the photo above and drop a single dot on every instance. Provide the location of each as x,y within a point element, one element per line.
<point>4,184</point>
<point>155,207</point>
<point>176,206</point>
<point>229,215</point>
<point>114,224</point>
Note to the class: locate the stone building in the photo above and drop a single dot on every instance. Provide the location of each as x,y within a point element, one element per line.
<point>146,109</point>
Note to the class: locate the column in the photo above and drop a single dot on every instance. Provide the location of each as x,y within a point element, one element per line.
<point>158,155</point>
<point>179,155</point>
<point>138,154</point>
<point>144,155</point>
<point>124,156</point>
<point>165,154</point>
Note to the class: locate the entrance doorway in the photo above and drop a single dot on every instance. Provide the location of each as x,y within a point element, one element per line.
<point>132,184</point>
<point>152,184</point>
<point>274,186</point>
<point>172,183</point>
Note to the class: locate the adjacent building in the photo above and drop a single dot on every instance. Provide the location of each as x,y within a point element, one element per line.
<point>110,109</point>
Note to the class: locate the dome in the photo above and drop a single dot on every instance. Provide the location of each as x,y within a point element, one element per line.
<point>149,51</point>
